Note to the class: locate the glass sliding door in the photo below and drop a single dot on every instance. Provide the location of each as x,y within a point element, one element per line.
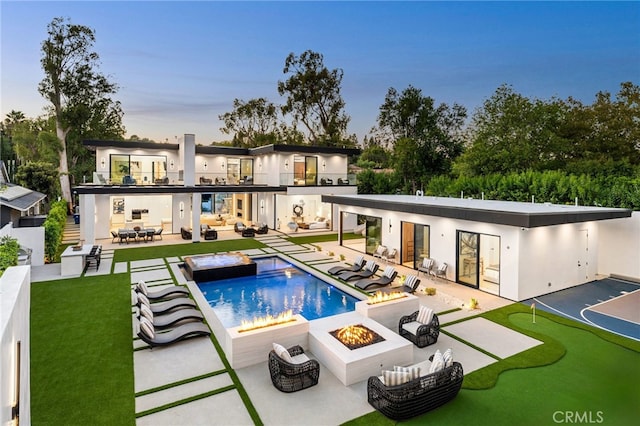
<point>311,170</point>
<point>468,258</point>
<point>490,263</point>
<point>246,170</point>
<point>373,233</point>
<point>415,244</point>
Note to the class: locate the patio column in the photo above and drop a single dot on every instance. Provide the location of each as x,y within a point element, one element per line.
<point>189,160</point>
<point>196,203</point>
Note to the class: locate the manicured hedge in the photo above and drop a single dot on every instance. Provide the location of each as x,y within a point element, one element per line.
<point>9,249</point>
<point>53,229</point>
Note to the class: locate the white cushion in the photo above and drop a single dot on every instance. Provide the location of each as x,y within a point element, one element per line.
<point>143,299</point>
<point>388,271</point>
<point>412,327</point>
<point>145,311</point>
<point>299,359</point>
<point>424,315</point>
<point>147,328</point>
<point>447,357</point>
<point>282,352</point>
<point>142,286</point>
<point>410,281</point>
<point>438,363</point>
<point>414,371</point>
<point>395,378</point>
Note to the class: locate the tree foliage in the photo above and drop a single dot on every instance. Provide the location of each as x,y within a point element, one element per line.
<point>512,133</point>
<point>252,123</point>
<point>41,177</point>
<point>313,98</point>
<point>35,140</point>
<point>78,93</point>
<point>425,138</point>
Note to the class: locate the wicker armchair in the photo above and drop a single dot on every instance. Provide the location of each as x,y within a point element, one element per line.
<point>417,396</point>
<point>424,335</point>
<point>288,377</point>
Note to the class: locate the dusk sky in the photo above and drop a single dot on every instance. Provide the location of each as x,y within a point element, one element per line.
<point>179,65</point>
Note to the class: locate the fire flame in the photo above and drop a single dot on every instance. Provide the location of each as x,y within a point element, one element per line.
<point>266,321</point>
<point>380,297</point>
<point>355,335</point>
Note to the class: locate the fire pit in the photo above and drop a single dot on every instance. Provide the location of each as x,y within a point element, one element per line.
<point>356,336</point>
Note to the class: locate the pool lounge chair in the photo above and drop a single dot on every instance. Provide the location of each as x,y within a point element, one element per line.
<point>147,333</point>
<point>170,319</point>
<point>165,293</point>
<point>357,266</point>
<point>169,305</point>
<point>387,278</point>
<point>369,269</point>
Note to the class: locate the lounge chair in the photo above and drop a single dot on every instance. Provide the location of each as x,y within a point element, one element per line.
<point>147,333</point>
<point>169,305</point>
<point>387,278</point>
<point>390,255</point>
<point>165,293</point>
<point>369,269</point>
<point>426,266</point>
<point>115,236</point>
<point>294,373</point>
<point>411,284</point>
<point>157,233</point>
<point>421,327</point>
<point>380,251</point>
<point>357,266</point>
<point>441,272</point>
<point>170,319</point>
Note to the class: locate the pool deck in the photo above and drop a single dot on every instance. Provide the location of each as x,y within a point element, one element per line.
<point>194,369</point>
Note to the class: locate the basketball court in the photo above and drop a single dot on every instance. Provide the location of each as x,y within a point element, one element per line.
<point>612,304</point>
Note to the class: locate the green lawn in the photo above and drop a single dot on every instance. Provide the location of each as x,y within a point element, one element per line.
<point>82,360</point>
<point>579,369</point>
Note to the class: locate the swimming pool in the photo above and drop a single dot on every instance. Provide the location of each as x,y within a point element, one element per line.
<point>277,287</point>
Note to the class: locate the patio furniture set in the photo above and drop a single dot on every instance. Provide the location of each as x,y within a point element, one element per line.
<point>250,231</point>
<point>136,235</point>
<point>400,393</point>
<point>428,266</point>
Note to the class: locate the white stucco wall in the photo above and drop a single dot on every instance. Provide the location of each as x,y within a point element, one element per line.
<point>15,301</point>
<point>28,237</point>
<point>619,247</point>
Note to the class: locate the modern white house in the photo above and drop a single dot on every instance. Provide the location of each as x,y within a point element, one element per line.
<point>185,185</point>
<point>511,249</point>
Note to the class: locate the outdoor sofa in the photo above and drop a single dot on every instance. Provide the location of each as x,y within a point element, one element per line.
<point>417,396</point>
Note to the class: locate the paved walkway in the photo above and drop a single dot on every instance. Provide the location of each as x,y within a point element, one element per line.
<point>189,383</point>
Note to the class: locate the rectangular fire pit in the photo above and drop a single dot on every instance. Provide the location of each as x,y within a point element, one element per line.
<point>355,365</point>
<point>356,336</point>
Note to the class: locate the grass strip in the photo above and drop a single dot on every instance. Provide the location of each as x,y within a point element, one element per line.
<point>448,311</point>
<point>81,358</point>
<point>151,252</point>
<point>184,401</point>
<point>180,383</point>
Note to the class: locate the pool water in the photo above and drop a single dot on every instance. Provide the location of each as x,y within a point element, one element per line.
<point>277,287</point>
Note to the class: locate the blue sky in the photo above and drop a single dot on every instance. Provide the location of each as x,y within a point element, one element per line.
<point>179,65</point>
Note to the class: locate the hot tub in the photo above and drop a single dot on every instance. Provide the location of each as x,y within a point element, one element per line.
<point>213,267</point>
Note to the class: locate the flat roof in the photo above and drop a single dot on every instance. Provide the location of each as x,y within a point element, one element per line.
<point>221,149</point>
<point>174,189</point>
<point>527,215</point>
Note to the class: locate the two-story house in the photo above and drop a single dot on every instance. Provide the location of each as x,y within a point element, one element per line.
<point>183,185</point>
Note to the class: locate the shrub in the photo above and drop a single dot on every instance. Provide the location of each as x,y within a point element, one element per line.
<point>53,227</point>
<point>430,291</point>
<point>9,249</point>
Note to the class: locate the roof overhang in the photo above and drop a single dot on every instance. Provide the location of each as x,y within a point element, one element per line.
<point>303,149</point>
<point>526,215</point>
<point>174,189</point>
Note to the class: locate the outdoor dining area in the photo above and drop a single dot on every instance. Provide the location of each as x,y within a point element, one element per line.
<point>136,234</point>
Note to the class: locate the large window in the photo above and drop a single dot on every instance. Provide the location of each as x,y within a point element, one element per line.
<point>360,232</point>
<point>144,169</point>
<point>479,261</point>
<point>305,170</point>
<point>239,170</point>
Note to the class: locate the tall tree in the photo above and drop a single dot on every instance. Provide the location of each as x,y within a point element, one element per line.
<point>34,140</point>
<point>252,123</point>
<point>72,84</point>
<point>426,138</point>
<point>313,98</point>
